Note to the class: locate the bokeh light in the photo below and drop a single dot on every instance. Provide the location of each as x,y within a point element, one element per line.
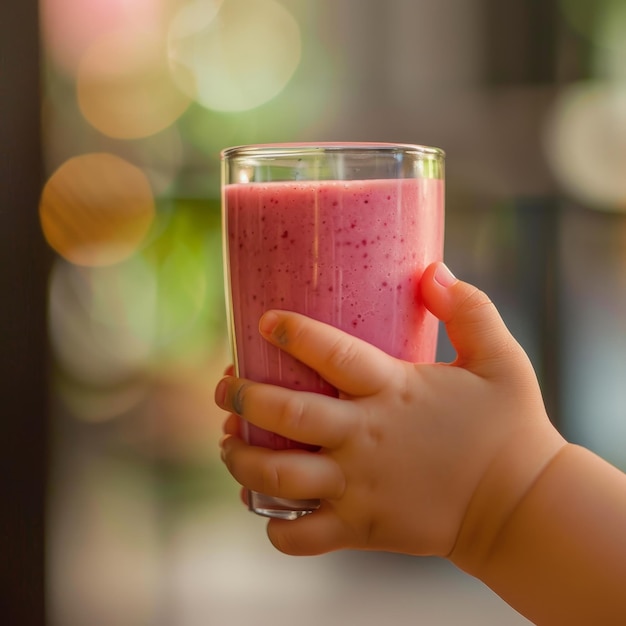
<point>96,209</point>
<point>585,143</point>
<point>115,330</point>
<point>235,58</point>
<point>161,156</point>
<point>124,87</point>
<point>102,326</point>
<point>69,27</point>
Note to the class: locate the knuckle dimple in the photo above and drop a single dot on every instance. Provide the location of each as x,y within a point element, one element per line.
<point>293,412</point>
<point>341,354</point>
<point>376,435</point>
<point>271,480</point>
<point>475,300</point>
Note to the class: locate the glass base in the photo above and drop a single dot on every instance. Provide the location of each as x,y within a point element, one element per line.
<point>280,508</point>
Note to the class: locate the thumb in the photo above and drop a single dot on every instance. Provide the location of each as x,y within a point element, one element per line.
<point>477,332</point>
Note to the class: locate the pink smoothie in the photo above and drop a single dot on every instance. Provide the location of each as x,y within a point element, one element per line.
<point>348,253</point>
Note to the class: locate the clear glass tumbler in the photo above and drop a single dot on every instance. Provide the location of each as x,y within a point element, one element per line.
<point>340,232</point>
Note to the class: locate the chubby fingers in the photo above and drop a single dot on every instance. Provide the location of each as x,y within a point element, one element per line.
<point>292,474</point>
<point>474,326</point>
<point>303,416</point>
<point>319,533</point>
<point>349,364</point>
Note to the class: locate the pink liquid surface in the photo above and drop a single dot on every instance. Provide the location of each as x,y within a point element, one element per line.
<point>348,253</point>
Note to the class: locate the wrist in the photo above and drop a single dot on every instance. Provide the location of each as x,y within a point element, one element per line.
<point>509,478</point>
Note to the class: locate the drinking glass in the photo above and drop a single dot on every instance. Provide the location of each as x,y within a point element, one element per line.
<point>340,232</point>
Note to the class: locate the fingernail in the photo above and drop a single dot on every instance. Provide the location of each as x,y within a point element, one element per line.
<point>268,323</point>
<point>220,393</point>
<point>444,276</point>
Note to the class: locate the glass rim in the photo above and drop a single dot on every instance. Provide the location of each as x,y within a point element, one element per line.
<point>310,148</point>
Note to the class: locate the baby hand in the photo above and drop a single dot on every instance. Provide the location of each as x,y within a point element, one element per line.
<point>424,459</point>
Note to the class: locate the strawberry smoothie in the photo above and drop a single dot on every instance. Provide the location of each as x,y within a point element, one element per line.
<point>348,253</point>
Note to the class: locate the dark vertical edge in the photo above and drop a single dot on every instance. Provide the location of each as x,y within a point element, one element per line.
<point>539,278</point>
<point>23,361</point>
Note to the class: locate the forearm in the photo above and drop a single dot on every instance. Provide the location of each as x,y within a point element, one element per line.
<point>560,558</point>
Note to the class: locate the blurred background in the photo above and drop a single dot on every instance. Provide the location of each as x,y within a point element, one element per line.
<point>116,243</point>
